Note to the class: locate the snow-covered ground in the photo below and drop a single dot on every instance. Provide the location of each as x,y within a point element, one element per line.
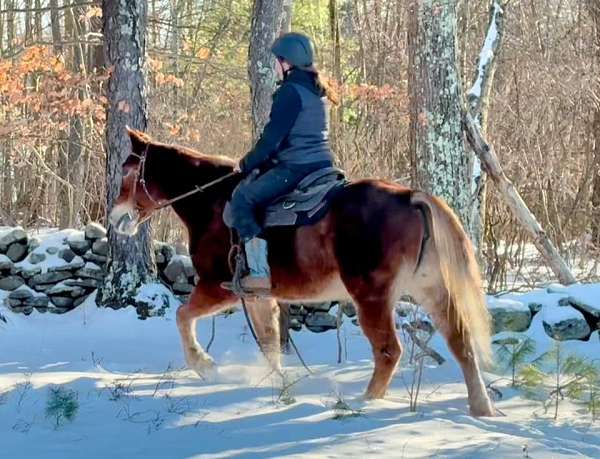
<point>136,400</point>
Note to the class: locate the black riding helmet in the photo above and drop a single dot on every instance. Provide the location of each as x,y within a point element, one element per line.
<point>295,48</point>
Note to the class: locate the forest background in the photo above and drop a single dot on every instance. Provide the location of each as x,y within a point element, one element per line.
<point>543,108</point>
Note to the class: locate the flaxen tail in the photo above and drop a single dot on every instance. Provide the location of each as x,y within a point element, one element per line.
<point>460,274</point>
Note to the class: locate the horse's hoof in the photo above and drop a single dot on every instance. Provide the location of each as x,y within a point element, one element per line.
<point>373,396</point>
<point>204,367</point>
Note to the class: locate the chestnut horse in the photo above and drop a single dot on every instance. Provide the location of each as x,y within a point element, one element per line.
<point>377,242</point>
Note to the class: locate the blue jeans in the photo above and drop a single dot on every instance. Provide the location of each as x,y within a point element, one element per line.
<point>252,195</point>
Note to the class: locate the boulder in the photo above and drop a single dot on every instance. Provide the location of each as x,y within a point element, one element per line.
<point>29,272</point>
<point>94,258</point>
<point>67,254</point>
<point>33,244</point>
<point>63,303</point>
<point>323,307</point>
<point>52,250</point>
<point>78,243</point>
<point>17,251</point>
<point>320,321</point>
<point>89,284</point>
<point>534,308</point>
<point>564,323</point>
<point>295,324</point>
<point>582,306</point>
<point>12,236</point>
<point>94,231</point>
<point>64,290</point>
<point>6,263</point>
<point>36,257</point>
<point>184,288</point>
<point>21,295</point>
<point>509,315</point>
<point>76,263</point>
<point>175,269</point>
<point>11,282</point>
<point>42,281</point>
<point>348,309</point>
<point>100,247</point>
<point>90,271</point>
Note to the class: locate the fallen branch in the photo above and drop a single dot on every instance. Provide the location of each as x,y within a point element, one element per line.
<point>512,198</point>
<point>423,346</point>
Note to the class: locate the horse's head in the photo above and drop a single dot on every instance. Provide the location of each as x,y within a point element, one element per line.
<point>156,175</point>
<point>139,196</point>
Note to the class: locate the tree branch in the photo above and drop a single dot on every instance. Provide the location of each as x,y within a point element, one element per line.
<point>490,163</point>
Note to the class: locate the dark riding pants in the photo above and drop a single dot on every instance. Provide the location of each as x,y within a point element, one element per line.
<point>253,194</point>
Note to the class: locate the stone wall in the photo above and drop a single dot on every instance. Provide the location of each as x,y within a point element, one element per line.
<point>56,271</point>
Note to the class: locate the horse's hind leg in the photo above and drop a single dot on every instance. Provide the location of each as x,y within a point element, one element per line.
<point>461,346</point>
<point>376,318</point>
<point>204,301</point>
<point>265,318</point>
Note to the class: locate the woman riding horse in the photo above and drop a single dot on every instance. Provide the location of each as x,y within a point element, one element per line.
<point>293,144</point>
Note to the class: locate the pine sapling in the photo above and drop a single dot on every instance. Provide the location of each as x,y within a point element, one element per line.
<point>62,405</point>
<point>512,353</point>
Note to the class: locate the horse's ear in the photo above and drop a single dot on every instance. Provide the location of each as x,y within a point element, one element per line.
<point>139,140</point>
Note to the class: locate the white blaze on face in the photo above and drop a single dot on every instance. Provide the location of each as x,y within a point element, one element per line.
<point>124,218</point>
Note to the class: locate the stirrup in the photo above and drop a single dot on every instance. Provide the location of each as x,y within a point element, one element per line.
<point>239,272</point>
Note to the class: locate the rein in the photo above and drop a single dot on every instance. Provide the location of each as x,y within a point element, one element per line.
<point>141,179</point>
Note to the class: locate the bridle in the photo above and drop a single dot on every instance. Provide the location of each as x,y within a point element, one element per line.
<point>140,177</point>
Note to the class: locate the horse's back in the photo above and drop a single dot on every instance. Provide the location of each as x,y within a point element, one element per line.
<point>375,227</point>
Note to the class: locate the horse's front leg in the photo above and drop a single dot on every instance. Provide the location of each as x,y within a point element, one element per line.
<point>205,300</point>
<point>265,318</point>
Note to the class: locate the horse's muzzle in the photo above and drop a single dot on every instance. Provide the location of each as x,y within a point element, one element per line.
<point>124,219</point>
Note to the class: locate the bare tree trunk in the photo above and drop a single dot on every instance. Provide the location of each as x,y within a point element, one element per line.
<point>594,8</point>
<point>334,25</point>
<point>130,261</point>
<point>96,51</point>
<point>286,20</point>
<point>28,24</point>
<point>441,165</point>
<point>264,29</point>
<point>55,27</point>
<point>38,21</point>
<point>478,99</point>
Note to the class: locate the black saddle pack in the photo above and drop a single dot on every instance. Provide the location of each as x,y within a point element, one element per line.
<point>307,204</point>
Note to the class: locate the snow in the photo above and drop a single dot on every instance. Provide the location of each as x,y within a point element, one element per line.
<point>507,304</point>
<point>152,294</point>
<point>51,238</point>
<point>486,54</point>
<point>136,399</point>
<point>557,314</point>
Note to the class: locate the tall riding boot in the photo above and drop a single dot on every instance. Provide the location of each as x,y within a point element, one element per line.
<point>259,277</point>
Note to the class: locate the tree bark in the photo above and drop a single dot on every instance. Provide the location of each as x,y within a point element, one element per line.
<point>594,8</point>
<point>264,29</point>
<point>478,99</point>
<point>286,19</point>
<point>441,164</point>
<point>130,261</point>
<point>55,27</point>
